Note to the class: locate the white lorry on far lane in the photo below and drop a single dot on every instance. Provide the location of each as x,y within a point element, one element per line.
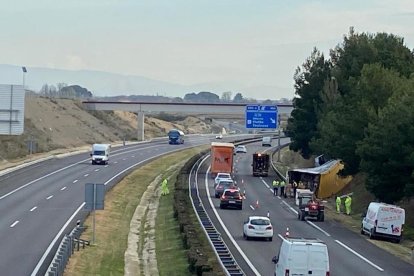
<point>100,153</point>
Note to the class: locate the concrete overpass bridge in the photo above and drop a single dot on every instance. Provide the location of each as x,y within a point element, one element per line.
<point>199,109</point>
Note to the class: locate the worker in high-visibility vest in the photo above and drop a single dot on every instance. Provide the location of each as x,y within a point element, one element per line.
<point>338,204</point>
<point>348,202</point>
<point>282,188</point>
<point>275,185</point>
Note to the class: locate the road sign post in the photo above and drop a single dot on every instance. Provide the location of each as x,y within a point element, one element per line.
<point>261,116</point>
<point>94,200</point>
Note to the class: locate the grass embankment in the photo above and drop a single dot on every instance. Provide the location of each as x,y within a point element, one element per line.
<point>113,225</point>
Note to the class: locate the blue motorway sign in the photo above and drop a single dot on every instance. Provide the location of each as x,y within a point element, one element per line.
<point>261,116</point>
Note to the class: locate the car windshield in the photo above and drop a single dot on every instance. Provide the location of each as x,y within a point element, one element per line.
<point>232,193</point>
<point>99,152</point>
<point>223,176</point>
<point>260,222</point>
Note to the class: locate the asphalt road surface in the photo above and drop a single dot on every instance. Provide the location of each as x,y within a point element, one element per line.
<point>41,202</point>
<point>349,253</point>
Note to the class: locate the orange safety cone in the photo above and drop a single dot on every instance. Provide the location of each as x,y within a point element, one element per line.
<point>287,233</point>
<point>257,204</point>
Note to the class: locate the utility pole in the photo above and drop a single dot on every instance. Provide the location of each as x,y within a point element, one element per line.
<point>278,139</point>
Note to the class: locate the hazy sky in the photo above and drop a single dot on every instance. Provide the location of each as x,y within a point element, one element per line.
<point>235,43</point>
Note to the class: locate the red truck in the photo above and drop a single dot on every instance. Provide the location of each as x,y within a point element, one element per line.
<point>221,158</point>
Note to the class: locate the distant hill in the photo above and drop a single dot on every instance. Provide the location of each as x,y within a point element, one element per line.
<point>111,84</point>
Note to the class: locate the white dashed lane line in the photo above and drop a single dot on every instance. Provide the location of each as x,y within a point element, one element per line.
<point>49,197</point>
<point>74,181</point>
<point>34,208</point>
<point>14,224</point>
<point>116,162</point>
<point>251,207</point>
<point>86,175</point>
<point>97,170</point>
<point>133,156</point>
<point>123,159</point>
<point>64,188</point>
<point>106,166</point>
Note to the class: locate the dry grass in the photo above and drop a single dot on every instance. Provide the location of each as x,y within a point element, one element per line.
<point>112,224</point>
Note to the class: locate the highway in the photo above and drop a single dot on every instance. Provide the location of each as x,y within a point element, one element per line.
<point>349,252</point>
<point>41,202</point>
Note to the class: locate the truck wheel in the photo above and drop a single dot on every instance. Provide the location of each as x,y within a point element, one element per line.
<point>93,162</point>
<point>362,230</point>
<point>271,239</point>
<point>302,216</point>
<point>321,217</point>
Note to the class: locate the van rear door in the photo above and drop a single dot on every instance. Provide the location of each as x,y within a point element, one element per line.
<point>298,257</point>
<point>318,260</point>
<point>390,220</point>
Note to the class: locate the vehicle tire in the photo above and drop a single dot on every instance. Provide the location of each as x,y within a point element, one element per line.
<point>244,236</point>
<point>302,216</point>
<point>321,217</point>
<point>271,239</point>
<point>362,230</point>
<point>93,162</point>
<point>372,234</point>
<point>216,196</point>
<point>241,207</point>
<point>299,215</point>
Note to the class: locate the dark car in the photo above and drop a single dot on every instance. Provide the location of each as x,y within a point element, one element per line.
<point>231,198</point>
<point>222,185</point>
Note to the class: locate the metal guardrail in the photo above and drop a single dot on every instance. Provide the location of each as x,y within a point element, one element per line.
<point>65,250</point>
<point>227,260</point>
<point>279,174</point>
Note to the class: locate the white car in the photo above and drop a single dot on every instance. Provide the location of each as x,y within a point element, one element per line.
<point>219,136</point>
<point>241,149</point>
<point>258,227</point>
<point>222,176</point>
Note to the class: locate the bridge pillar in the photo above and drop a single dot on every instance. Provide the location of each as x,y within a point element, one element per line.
<point>140,129</point>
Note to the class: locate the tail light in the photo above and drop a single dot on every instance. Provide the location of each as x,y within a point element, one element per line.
<point>287,272</point>
<point>240,197</point>
<point>223,197</point>
<point>376,221</point>
<point>269,228</point>
<point>251,227</point>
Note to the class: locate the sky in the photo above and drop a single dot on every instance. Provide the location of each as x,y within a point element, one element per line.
<point>247,46</point>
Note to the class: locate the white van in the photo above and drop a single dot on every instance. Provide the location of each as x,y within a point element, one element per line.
<point>383,220</point>
<point>298,256</point>
<point>100,153</point>
<point>267,141</point>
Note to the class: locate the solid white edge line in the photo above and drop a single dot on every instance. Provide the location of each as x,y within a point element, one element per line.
<point>246,259</point>
<point>264,182</point>
<point>317,227</point>
<point>14,224</point>
<point>42,259</point>
<point>34,208</point>
<point>290,207</point>
<point>359,255</point>
<point>251,207</point>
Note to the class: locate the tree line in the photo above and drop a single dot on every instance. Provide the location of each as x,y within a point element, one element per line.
<point>357,105</point>
<point>62,90</point>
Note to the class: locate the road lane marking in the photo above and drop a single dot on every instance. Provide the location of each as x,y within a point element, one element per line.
<point>359,255</point>
<point>64,188</point>
<point>133,156</point>
<point>317,227</point>
<point>290,207</point>
<point>97,170</point>
<point>49,197</point>
<point>34,208</point>
<point>264,182</point>
<point>123,159</point>
<point>246,259</point>
<point>42,259</point>
<point>271,190</point>
<point>14,224</point>
<point>116,162</point>
<point>251,207</point>
<point>106,166</point>
<point>74,181</point>
<point>86,175</point>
